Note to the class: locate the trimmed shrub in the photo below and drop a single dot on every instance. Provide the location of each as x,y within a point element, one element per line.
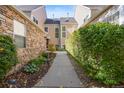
<point>100,49</point>
<point>8,56</point>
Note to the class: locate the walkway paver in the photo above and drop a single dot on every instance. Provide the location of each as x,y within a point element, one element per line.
<point>61,73</point>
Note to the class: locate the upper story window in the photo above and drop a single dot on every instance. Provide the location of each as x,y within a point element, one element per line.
<point>46,29</point>
<point>63,28</point>
<point>63,31</point>
<point>57,32</point>
<point>63,34</point>
<point>19,34</point>
<point>35,20</point>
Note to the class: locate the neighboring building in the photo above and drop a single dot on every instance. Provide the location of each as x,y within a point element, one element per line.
<point>82,14</point>
<point>95,9</point>
<point>59,29</point>
<point>52,27</point>
<point>114,15</point>
<point>27,9</point>
<point>37,13</point>
<point>86,12</point>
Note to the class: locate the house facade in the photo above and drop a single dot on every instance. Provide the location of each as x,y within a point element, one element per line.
<point>59,29</point>
<point>52,28</point>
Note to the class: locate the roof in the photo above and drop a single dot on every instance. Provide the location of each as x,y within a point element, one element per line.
<point>27,7</point>
<point>52,21</point>
<point>68,20</point>
<point>63,20</point>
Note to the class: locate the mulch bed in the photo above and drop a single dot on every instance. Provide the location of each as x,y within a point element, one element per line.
<point>86,81</point>
<point>26,80</point>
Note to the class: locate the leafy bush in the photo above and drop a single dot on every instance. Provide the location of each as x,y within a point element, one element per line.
<point>100,49</point>
<point>31,68</point>
<point>38,61</point>
<point>51,47</point>
<point>7,55</point>
<point>34,64</point>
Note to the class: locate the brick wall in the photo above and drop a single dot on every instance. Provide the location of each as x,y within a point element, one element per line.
<point>35,41</point>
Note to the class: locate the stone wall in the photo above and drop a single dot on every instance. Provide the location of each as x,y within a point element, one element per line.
<point>35,41</point>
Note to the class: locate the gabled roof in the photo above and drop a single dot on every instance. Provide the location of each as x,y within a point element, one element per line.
<point>52,21</point>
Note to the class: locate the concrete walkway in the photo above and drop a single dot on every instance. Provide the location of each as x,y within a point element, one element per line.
<point>61,73</point>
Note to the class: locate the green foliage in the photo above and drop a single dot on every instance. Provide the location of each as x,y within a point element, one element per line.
<point>34,65</point>
<point>31,68</point>
<point>44,54</point>
<point>7,55</point>
<point>100,48</point>
<point>51,47</point>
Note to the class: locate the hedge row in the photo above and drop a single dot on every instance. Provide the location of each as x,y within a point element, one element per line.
<point>7,55</point>
<point>100,49</point>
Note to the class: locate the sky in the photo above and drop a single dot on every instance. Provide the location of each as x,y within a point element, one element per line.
<point>60,11</point>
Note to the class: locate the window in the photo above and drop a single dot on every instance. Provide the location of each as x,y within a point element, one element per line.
<point>20,41</point>
<point>46,29</point>
<point>19,34</point>
<point>35,20</point>
<point>56,32</point>
<point>116,15</point>
<point>63,31</point>
<point>64,34</point>
<point>63,28</point>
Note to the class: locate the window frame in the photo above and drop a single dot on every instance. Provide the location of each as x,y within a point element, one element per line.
<point>57,32</point>
<point>14,34</point>
<point>64,28</point>
<point>64,34</point>
<point>45,29</point>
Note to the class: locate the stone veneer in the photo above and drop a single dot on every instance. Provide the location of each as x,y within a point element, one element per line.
<point>35,41</point>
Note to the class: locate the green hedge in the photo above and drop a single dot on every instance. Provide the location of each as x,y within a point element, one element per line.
<point>7,55</point>
<point>100,49</point>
